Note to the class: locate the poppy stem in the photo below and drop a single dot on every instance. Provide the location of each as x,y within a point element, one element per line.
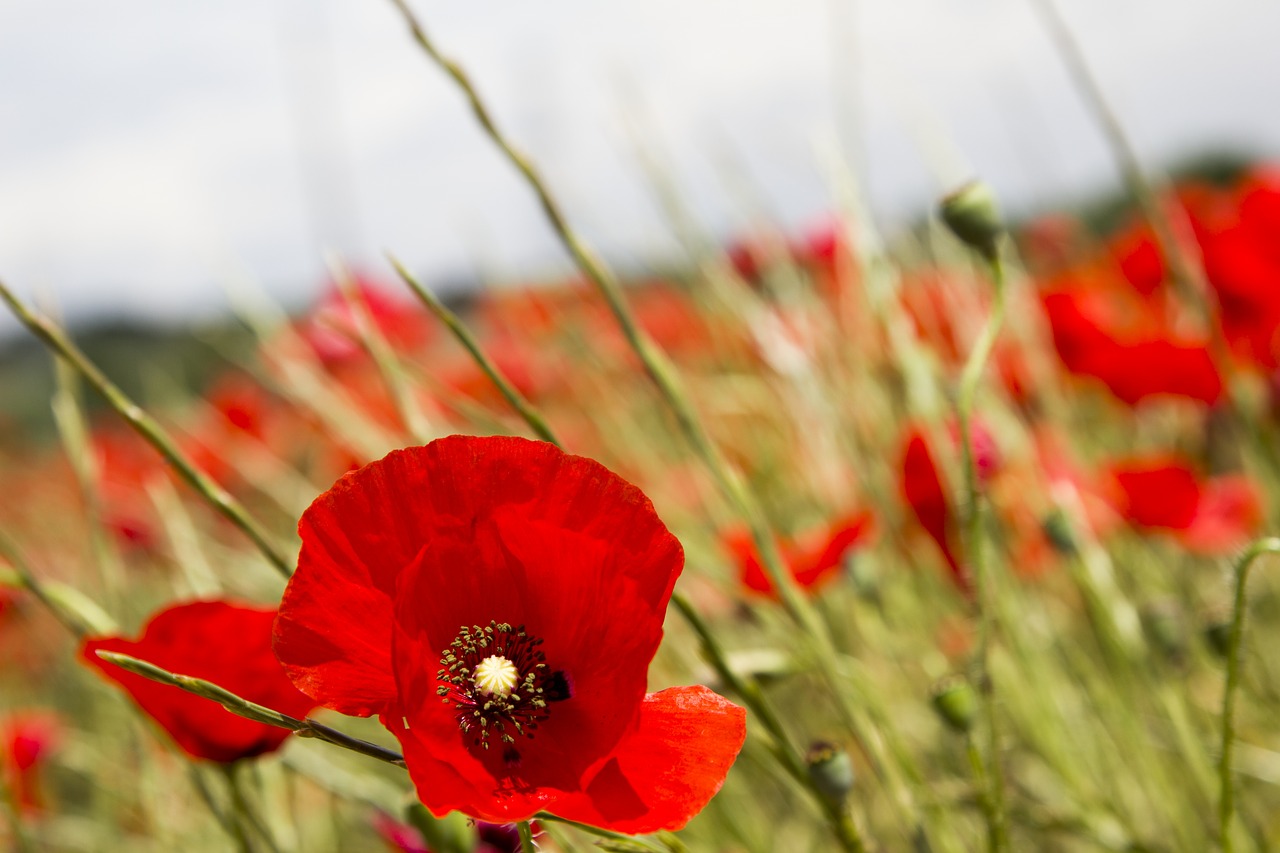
<point>1226,803</point>
<point>459,330</point>
<point>975,545</point>
<point>244,708</point>
<point>78,614</point>
<point>384,358</point>
<point>526,837</point>
<point>748,689</point>
<point>150,430</point>
<point>628,841</point>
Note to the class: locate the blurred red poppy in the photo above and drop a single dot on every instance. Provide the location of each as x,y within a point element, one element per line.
<point>331,328</point>
<point>814,558</point>
<point>922,490</point>
<point>227,644</point>
<point>497,602</point>
<point>1124,341</point>
<point>1208,517</point>
<point>27,738</point>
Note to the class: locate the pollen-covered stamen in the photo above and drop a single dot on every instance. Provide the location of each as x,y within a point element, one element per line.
<point>499,681</point>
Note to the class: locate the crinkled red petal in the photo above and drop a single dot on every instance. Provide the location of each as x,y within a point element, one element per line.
<point>667,771</point>
<point>596,610</point>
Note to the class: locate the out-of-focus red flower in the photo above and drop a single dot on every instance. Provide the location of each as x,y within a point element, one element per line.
<point>814,558</point>
<point>227,644</point>
<point>1241,248</point>
<point>27,738</point>
<point>1206,516</point>
<point>476,591</point>
<point>1124,341</point>
<point>332,332</point>
<point>399,836</point>
<point>922,490</point>
<point>126,465</point>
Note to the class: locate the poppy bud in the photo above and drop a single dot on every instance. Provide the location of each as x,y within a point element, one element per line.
<point>1217,635</point>
<point>831,770</point>
<point>955,702</point>
<point>971,214</point>
<point>1057,529</point>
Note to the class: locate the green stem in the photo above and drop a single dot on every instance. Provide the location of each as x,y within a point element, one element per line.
<point>598,832</point>
<point>463,335</point>
<point>975,545</point>
<point>237,823</point>
<point>77,613</point>
<point>837,814</point>
<point>242,707</point>
<point>526,837</point>
<point>146,426</point>
<point>1226,803</point>
<point>375,343</point>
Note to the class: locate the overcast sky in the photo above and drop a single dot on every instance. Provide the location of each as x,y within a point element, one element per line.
<point>152,150</point>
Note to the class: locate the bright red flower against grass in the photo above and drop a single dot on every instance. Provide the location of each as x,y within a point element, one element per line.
<point>814,558</point>
<point>1209,517</point>
<point>227,644</point>
<point>497,603</point>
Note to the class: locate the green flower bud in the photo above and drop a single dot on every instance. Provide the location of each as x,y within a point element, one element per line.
<point>956,702</point>
<point>1057,529</point>
<point>831,770</point>
<point>971,214</point>
<point>1217,635</point>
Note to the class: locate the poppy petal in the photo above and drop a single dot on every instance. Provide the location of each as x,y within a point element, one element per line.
<point>664,773</point>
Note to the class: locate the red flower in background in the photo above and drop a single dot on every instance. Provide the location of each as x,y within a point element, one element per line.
<point>332,332</point>
<point>27,738</point>
<point>477,592</point>
<point>1125,341</point>
<point>1207,516</point>
<point>227,644</point>
<point>814,558</point>
<point>923,492</point>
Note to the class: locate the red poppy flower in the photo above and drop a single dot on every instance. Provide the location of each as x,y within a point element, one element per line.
<point>1124,341</point>
<point>922,489</point>
<point>497,602</point>
<point>27,738</point>
<point>1207,516</point>
<point>332,331</point>
<point>227,644</point>
<point>814,558</point>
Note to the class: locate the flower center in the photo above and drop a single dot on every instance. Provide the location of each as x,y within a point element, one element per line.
<point>499,681</point>
<point>496,676</point>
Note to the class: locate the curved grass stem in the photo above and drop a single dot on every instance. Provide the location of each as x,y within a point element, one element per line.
<point>837,814</point>
<point>150,430</point>
<point>975,545</point>
<point>1226,802</point>
<point>244,708</point>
